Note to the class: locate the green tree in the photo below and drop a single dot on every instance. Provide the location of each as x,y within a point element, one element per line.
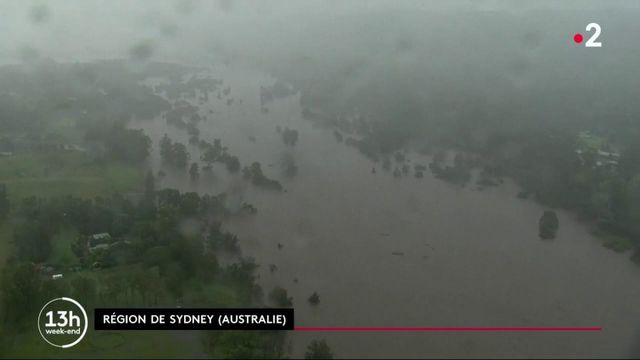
<point>212,152</point>
<point>219,240</point>
<point>231,162</point>
<point>84,290</point>
<point>259,179</point>
<point>157,255</point>
<point>127,144</point>
<point>190,204</point>
<point>242,276</point>
<point>33,241</point>
<point>173,153</point>
<point>20,292</point>
<point>180,155</point>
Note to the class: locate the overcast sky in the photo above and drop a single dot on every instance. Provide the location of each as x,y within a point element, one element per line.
<point>70,30</point>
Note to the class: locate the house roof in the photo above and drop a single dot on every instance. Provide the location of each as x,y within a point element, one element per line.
<point>98,239</point>
<point>100,236</point>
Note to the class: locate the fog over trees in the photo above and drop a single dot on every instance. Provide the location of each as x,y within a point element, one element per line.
<point>369,163</point>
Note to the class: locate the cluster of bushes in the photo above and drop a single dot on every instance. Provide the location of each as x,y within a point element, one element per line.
<point>215,152</point>
<point>173,153</point>
<point>257,177</point>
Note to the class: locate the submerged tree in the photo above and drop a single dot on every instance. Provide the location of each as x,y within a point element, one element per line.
<point>126,145</point>
<point>290,136</point>
<point>217,153</point>
<point>194,171</point>
<point>548,225</point>
<point>318,349</point>
<point>173,153</point>
<point>180,155</point>
<point>289,167</point>
<point>257,177</point>
<point>314,299</point>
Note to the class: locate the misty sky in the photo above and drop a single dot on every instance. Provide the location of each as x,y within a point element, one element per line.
<point>72,30</point>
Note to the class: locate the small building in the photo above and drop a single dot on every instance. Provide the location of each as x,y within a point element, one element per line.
<point>56,276</point>
<point>608,154</point>
<point>602,158</point>
<point>73,147</point>
<point>608,159</point>
<point>101,241</point>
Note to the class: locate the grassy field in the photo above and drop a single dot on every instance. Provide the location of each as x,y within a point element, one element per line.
<point>66,173</point>
<point>61,253</point>
<point>617,243</point>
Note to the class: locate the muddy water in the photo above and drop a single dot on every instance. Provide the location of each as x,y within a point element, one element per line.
<point>469,258</point>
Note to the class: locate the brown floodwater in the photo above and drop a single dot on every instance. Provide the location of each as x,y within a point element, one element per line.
<point>469,258</point>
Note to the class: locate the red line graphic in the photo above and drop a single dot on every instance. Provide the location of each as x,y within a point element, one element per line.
<point>452,329</point>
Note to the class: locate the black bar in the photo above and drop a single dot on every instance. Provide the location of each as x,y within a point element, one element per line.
<point>193,319</point>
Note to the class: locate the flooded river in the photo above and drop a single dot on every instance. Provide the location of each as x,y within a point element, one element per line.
<point>463,257</point>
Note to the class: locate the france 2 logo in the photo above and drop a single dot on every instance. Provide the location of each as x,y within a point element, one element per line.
<point>591,42</point>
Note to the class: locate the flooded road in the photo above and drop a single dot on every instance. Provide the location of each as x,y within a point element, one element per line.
<point>464,257</point>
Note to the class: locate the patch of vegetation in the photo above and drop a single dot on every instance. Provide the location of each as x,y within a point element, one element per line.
<point>177,88</point>
<point>61,247</point>
<point>257,177</point>
<point>618,244</point>
<point>548,225</point>
<point>148,263</point>
<point>245,344</point>
<point>318,349</point>
<point>174,153</point>
<point>183,116</point>
<point>215,152</point>
<point>66,173</point>
<point>314,299</point>
<point>289,136</point>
